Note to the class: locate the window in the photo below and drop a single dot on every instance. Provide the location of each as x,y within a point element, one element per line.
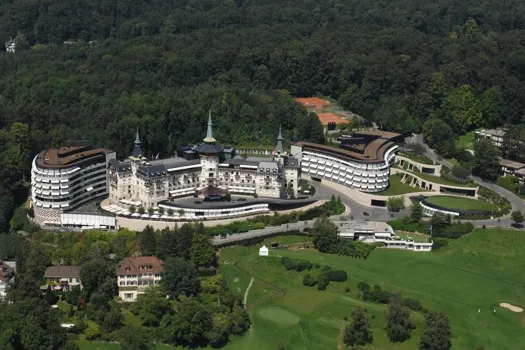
<point>128,295</point>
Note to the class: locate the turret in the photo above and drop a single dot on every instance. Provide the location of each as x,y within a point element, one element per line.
<point>137,150</point>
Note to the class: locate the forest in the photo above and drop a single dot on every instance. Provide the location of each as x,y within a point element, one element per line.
<point>98,70</point>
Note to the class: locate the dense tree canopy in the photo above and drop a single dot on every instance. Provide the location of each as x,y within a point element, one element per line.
<point>83,69</point>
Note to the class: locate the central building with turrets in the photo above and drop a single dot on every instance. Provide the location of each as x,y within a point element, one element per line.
<point>207,170</point>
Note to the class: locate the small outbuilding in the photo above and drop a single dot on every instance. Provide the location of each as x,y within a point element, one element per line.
<point>263,251</point>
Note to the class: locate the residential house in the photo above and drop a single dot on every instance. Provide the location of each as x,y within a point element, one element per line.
<point>63,277</point>
<point>136,274</point>
<point>7,273</point>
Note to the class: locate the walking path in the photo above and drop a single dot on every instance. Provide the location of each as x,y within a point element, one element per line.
<point>246,293</point>
<point>281,291</point>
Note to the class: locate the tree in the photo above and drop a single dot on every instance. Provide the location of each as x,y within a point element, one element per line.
<point>170,212</point>
<point>309,280</point>
<point>440,136</point>
<point>417,212</point>
<point>152,306</point>
<point>202,252</point>
<point>517,217</point>
<point>134,338</point>
<point>30,324</point>
<point>6,210</point>
<point>151,211</point>
<point>437,332</point>
<point>112,320</point>
<point>486,164</point>
<point>51,297</point>
<point>141,210</point>
<point>180,278</point>
<point>97,275</point>
<point>463,108</point>
<point>326,238</point>
<point>358,332</point>
<point>398,322</point>
<point>148,241</point>
<point>189,324</point>
<point>395,204</point>
<point>160,210</point>
<point>132,209</point>
<point>514,143</point>
<point>492,105</point>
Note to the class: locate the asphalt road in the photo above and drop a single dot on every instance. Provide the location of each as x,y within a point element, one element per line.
<point>516,202</point>
<point>356,209</point>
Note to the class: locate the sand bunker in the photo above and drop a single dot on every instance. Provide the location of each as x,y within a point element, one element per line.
<point>511,307</point>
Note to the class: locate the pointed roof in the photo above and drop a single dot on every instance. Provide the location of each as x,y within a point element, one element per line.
<point>279,148</point>
<point>209,134</point>
<point>209,147</point>
<point>137,150</point>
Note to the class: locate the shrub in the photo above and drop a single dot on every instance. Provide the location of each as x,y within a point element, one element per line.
<point>296,264</point>
<point>412,304</point>
<point>337,275</point>
<point>322,283</point>
<point>92,332</point>
<point>309,280</point>
<point>439,243</point>
<point>363,287</point>
<point>395,204</point>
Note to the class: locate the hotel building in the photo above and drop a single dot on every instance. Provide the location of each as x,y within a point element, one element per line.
<point>205,170</point>
<point>65,178</point>
<point>362,162</point>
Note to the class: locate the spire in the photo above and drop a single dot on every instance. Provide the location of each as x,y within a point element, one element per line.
<point>137,138</point>
<point>209,134</point>
<point>279,148</point>
<point>137,150</point>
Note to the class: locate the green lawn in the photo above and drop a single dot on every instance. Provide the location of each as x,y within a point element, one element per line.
<point>442,181</point>
<point>397,187</point>
<point>477,271</point>
<point>461,203</point>
<point>417,158</point>
<point>466,141</point>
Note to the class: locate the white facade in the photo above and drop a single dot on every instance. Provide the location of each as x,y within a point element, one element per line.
<point>365,177</point>
<point>263,251</point>
<point>57,187</point>
<point>429,211</point>
<point>378,232</point>
<point>140,182</point>
<point>135,275</point>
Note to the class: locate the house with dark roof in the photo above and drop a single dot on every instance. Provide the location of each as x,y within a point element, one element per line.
<point>136,274</point>
<point>63,277</point>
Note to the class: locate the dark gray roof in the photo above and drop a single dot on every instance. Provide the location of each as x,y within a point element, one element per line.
<point>160,167</point>
<point>63,271</point>
<point>270,167</point>
<point>120,166</point>
<point>292,162</point>
<point>209,148</point>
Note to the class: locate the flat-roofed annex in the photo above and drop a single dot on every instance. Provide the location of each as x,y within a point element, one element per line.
<point>65,157</point>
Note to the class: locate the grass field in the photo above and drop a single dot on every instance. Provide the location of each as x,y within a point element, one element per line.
<point>477,271</point>
<point>460,203</point>
<point>466,141</point>
<point>417,158</point>
<point>397,187</point>
<point>443,181</point>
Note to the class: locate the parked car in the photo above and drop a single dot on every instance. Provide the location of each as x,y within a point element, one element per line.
<point>241,199</point>
<point>198,202</point>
